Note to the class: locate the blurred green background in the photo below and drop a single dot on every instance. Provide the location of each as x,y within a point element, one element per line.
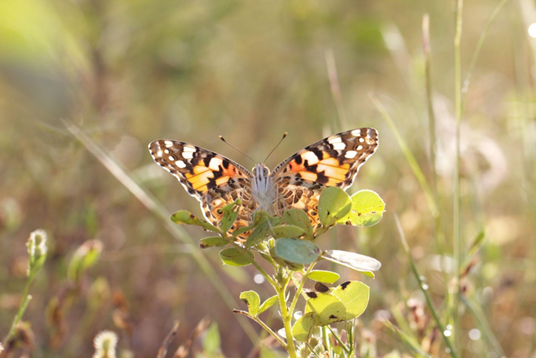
<point>127,72</point>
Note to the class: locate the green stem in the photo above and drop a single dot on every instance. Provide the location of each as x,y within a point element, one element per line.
<point>286,318</point>
<point>484,325</point>
<point>457,244</point>
<point>343,345</point>
<point>478,50</point>
<point>264,326</point>
<point>425,292</point>
<point>22,308</point>
<point>300,287</point>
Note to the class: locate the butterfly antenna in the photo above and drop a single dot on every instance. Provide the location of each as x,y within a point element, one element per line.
<point>237,149</point>
<point>272,151</point>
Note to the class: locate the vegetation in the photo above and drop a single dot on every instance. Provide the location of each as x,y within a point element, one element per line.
<point>85,85</point>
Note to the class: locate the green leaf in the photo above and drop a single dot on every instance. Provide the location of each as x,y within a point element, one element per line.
<point>185,217</point>
<point>334,204</point>
<point>259,217</point>
<point>323,276</point>
<point>303,327</point>
<point>357,262</point>
<point>366,210</point>
<point>298,251</point>
<point>230,215</point>
<point>355,297</point>
<point>298,217</point>
<point>262,232</point>
<point>289,231</point>
<point>477,242</point>
<point>326,308</point>
<point>234,257</point>
<point>251,298</point>
<point>211,342</point>
<point>280,261</point>
<point>269,302</point>
<point>214,241</point>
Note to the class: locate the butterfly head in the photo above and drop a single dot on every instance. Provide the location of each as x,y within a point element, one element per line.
<point>260,170</point>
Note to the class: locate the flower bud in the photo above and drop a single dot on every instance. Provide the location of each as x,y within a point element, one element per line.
<point>37,249</point>
<point>105,345</point>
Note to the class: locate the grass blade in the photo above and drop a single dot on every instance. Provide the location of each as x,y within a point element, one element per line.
<point>418,173</point>
<point>430,305</point>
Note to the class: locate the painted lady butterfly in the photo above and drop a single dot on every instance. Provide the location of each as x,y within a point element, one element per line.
<point>297,182</point>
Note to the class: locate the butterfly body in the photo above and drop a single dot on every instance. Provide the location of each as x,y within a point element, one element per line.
<point>296,183</point>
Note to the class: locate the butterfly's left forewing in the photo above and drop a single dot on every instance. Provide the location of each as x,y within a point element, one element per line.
<point>332,161</point>
<point>213,179</point>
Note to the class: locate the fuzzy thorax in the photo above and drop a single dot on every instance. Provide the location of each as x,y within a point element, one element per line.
<point>264,189</point>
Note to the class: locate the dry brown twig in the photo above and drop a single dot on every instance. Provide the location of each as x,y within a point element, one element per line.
<point>164,347</point>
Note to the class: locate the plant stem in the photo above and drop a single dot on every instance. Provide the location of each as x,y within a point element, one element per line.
<point>343,345</point>
<point>286,318</point>
<point>264,326</point>
<point>22,308</point>
<point>457,244</point>
<point>480,43</point>
<point>300,287</point>
<point>411,159</point>
<point>484,325</point>
<point>430,305</point>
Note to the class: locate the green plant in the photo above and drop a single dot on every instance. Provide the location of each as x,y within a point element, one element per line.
<point>37,251</point>
<point>287,243</point>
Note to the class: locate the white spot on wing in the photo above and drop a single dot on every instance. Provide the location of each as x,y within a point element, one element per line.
<point>171,157</point>
<point>215,163</point>
<point>351,154</point>
<point>361,140</point>
<point>339,146</point>
<point>310,157</point>
<point>167,151</point>
<point>334,139</point>
<point>356,132</point>
<point>360,147</point>
<point>188,155</point>
<point>159,154</point>
<point>168,143</point>
<point>180,164</point>
<point>189,148</point>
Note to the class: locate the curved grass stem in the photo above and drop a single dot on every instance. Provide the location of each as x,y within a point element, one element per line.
<point>20,312</point>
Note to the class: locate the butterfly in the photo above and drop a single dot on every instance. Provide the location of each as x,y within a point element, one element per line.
<point>296,183</point>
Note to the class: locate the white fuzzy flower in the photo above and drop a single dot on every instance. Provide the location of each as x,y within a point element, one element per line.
<point>105,345</point>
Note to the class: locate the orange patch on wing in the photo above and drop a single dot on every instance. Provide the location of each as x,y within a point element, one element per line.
<point>294,167</point>
<point>199,182</point>
<point>222,180</point>
<point>231,171</point>
<point>333,172</point>
<point>333,162</point>
<point>308,176</point>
